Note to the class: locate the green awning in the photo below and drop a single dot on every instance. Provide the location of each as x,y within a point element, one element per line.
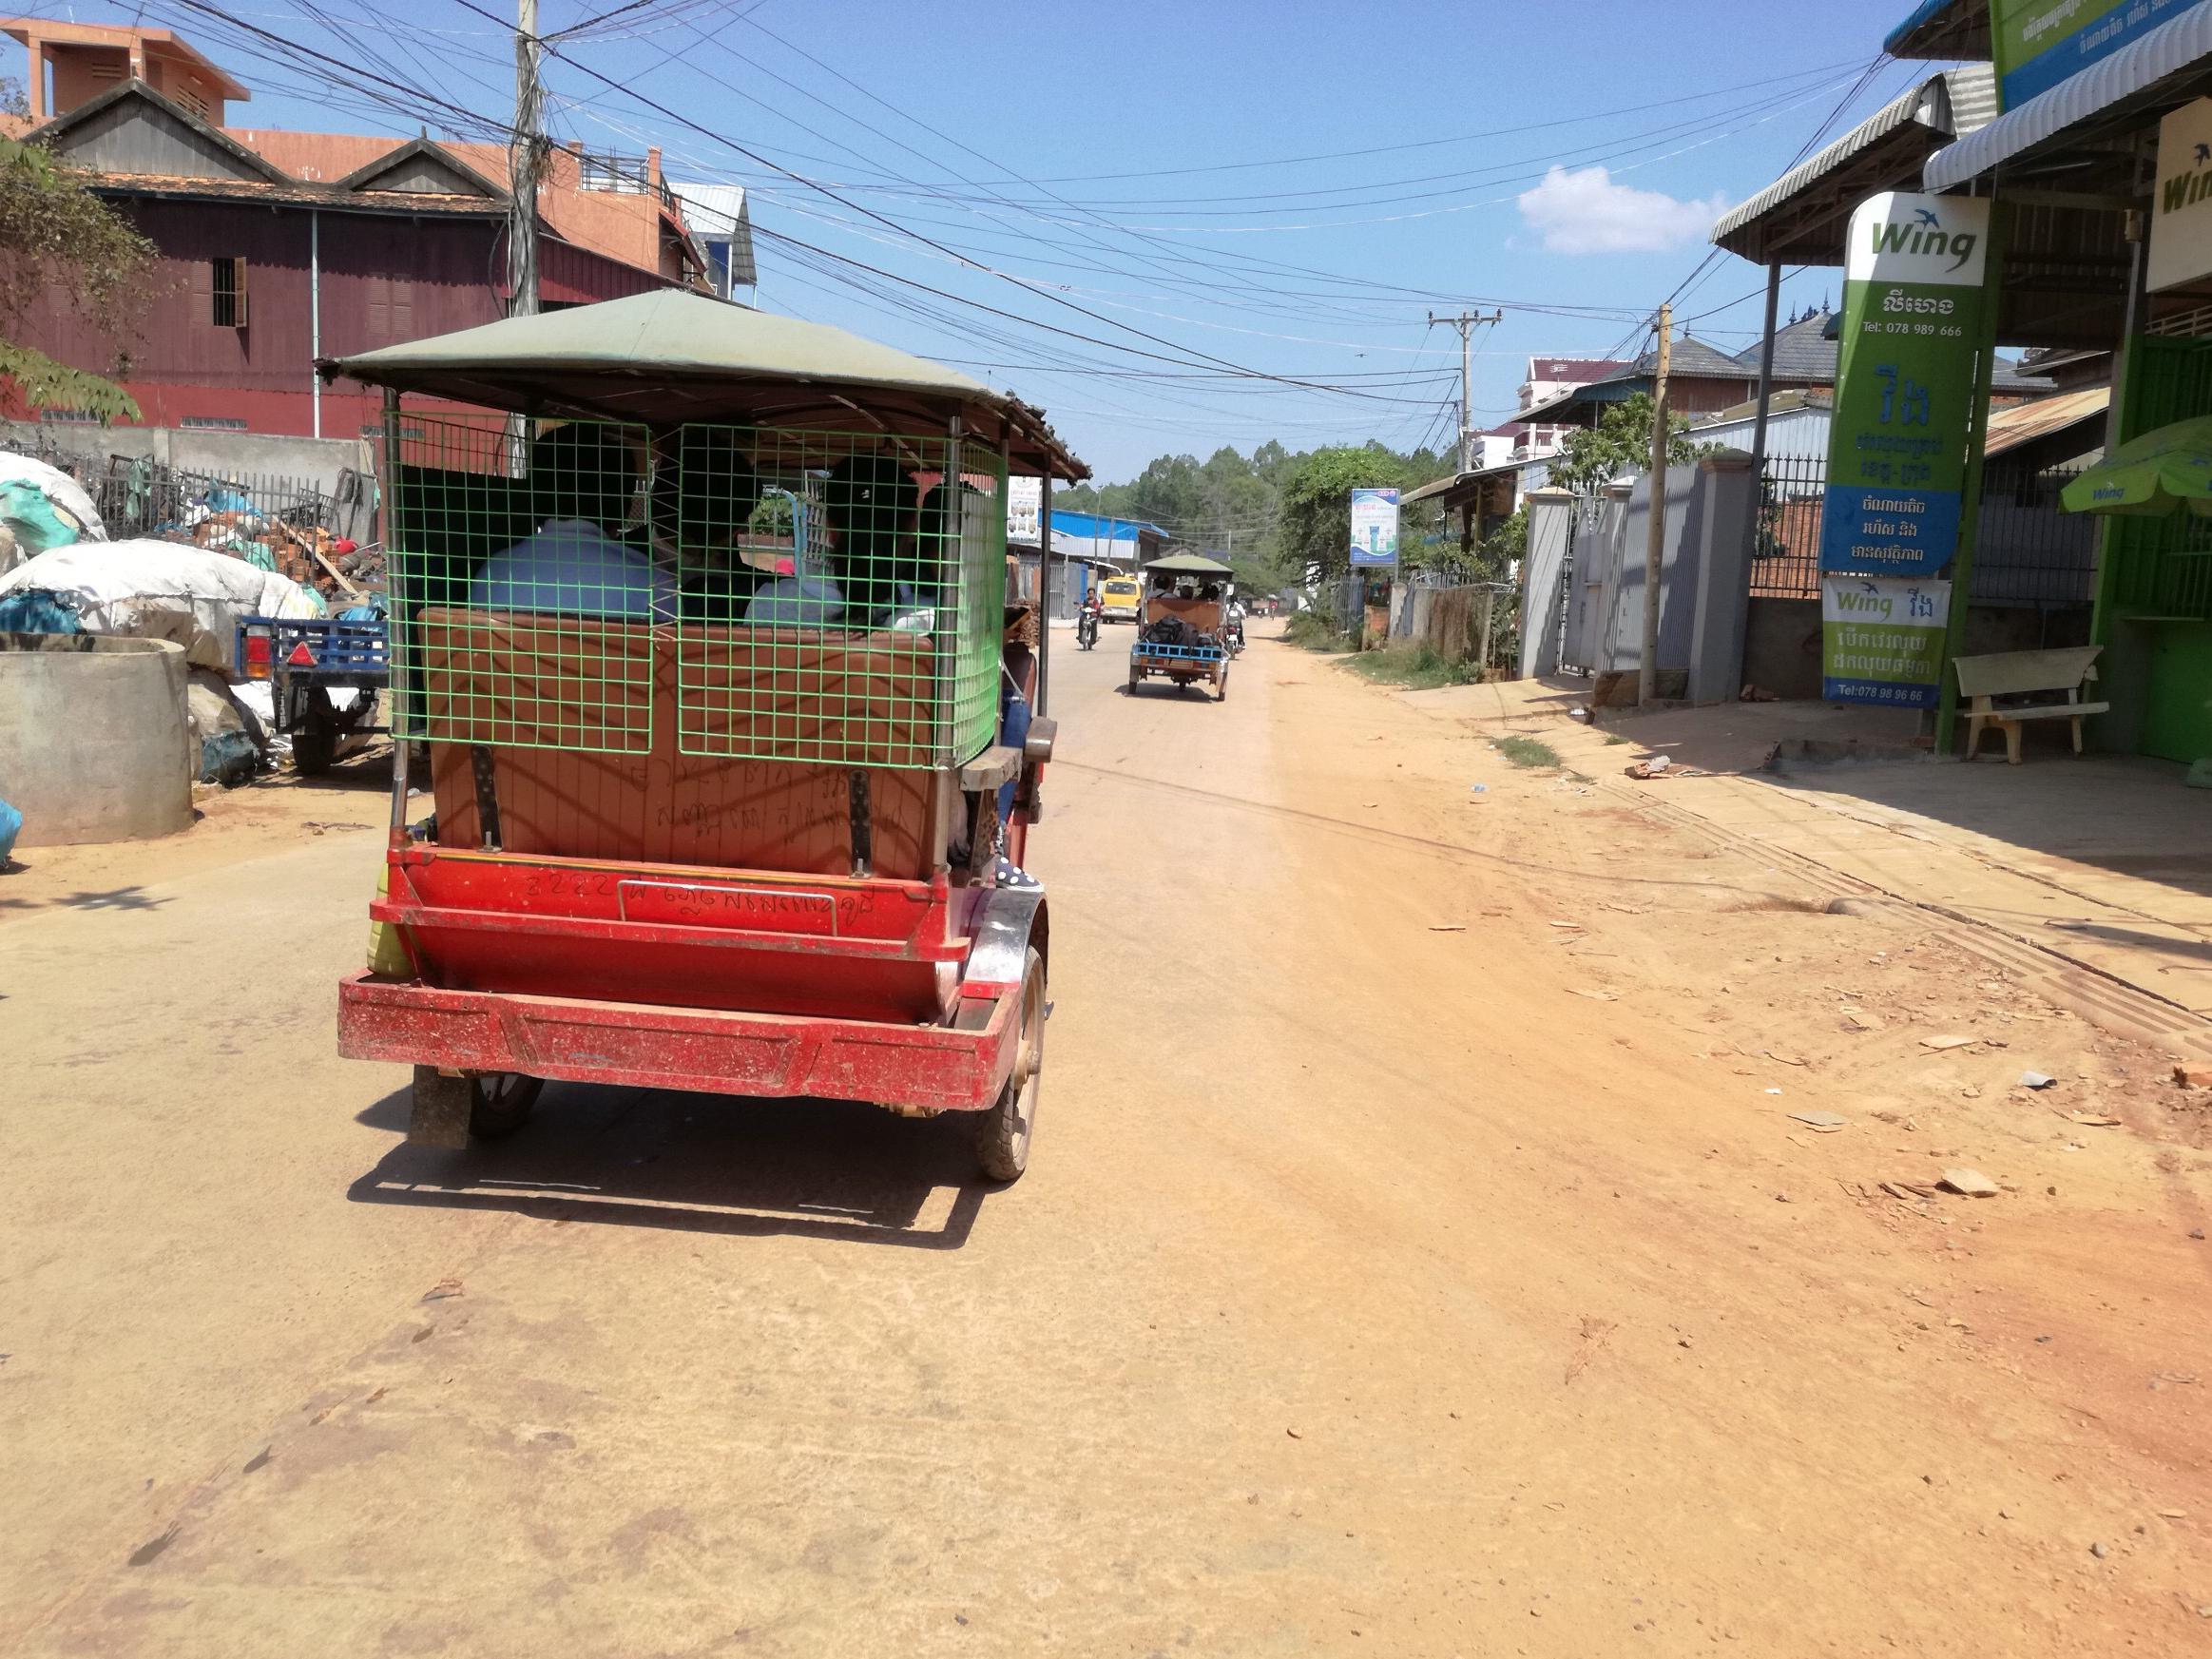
<point>2153,475</point>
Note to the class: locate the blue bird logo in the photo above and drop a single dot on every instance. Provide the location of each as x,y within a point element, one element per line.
<point>1927,217</point>
<point>2204,154</point>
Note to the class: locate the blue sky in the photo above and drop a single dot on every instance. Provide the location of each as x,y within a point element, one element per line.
<point>1086,169</point>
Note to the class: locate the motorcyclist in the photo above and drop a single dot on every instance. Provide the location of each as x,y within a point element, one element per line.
<point>1235,624</point>
<point>1087,620</point>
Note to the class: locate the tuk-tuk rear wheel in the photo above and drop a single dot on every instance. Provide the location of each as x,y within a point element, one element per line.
<point>500,1102</point>
<point>450,1111</point>
<point>1002,1134</point>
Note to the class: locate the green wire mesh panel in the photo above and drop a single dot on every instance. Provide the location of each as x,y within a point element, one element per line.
<point>810,596</point>
<point>837,594</point>
<point>523,583</point>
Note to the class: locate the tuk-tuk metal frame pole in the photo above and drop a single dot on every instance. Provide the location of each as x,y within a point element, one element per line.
<point>396,620</point>
<point>1045,589</point>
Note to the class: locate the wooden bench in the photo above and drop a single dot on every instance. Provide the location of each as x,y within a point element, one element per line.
<point>2002,683</point>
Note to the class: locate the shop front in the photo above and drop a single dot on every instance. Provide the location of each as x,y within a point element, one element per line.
<point>2100,171</point>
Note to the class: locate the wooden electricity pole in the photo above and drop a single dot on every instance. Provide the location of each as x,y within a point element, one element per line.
<point>1655,538</point>
<point>525,157</point>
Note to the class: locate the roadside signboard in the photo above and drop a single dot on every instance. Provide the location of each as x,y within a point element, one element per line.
<point>1025,504</point>
<point>1907,374</point>
<point>1374,528</point>
<point>2039,43</point>
<point>2180,204</point>
<point>1881,640</point>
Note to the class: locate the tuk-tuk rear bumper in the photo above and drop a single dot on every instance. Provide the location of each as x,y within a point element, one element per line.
<point>709,1051</point>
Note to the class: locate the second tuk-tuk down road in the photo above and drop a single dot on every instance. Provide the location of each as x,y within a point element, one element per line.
<point>1376,1287</point>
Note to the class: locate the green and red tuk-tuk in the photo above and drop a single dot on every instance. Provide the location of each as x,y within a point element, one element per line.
<point>699,621</point>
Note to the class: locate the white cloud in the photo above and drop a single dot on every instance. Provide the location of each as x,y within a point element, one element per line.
<point>1585,212</point>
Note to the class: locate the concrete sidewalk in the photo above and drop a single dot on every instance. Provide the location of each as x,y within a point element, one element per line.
<point>2102,861</point>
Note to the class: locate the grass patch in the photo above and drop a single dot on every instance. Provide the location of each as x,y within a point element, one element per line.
<point>1415,667</point>
<point>1615,737</point>
<point>1527,752</point>
<point>1309,630</point>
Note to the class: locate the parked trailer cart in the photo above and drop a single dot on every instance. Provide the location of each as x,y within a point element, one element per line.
<point>699,825</point>
<point>1183,634</point>
<point>305,660</point>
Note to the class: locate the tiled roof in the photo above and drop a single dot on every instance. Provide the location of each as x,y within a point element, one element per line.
<point>624,225</point>
<point>1690,356</point>
<point>1801,352</point>
<point>406,202</point>
<point>1583,369</point>
<point>1805,350</point>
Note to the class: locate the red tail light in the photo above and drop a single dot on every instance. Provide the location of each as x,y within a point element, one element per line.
<point>256,653</point>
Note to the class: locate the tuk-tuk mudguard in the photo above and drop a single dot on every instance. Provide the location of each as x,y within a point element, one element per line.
<point>543,922</point>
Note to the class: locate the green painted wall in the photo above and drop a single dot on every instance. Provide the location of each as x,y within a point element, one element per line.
<point>2176,717</point>
<point>2154,602</point>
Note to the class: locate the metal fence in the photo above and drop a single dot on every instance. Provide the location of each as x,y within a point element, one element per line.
<point>2028,552</point>
<point>285,524</point>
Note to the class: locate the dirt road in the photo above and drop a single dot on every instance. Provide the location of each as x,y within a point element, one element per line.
<point>1376,1287</point>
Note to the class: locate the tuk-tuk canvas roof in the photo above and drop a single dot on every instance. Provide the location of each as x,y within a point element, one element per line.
<point>672,332</point>
<point>674,356</point>
<point>1189,564</point>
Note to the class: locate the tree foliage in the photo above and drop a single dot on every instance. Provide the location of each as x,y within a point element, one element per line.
<point>1620,444</point>
<point>56,236</point>
<point>1271,515</point>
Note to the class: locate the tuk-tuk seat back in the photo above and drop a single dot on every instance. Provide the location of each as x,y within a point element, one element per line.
<point>595,752</point>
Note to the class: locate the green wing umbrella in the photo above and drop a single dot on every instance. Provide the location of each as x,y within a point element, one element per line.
<point>2151,475</point>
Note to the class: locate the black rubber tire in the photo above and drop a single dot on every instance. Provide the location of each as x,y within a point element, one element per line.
<point>1003,1133</point>
<point>500,1102</point>
<point>1134,678</point>
<point>1222,687</point>
<point>315,748</point>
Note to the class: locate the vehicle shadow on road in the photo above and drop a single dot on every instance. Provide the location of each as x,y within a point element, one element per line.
<point>701,1164</point>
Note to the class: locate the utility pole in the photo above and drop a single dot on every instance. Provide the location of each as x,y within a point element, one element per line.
<point>525,157</point>
<point>1467,323</point>
<point>1655,539</point>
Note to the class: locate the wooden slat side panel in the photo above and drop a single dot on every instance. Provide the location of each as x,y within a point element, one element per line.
<point>666,805</point>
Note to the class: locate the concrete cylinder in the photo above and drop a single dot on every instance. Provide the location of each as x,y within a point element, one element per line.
<point>93,744</point>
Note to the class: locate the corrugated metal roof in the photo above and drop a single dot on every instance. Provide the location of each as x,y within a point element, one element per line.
<point>720,213</point>
<point>1957,101</point>
<point>2025,422</point>
<point>1942,28</point>
<point>2176,48</point>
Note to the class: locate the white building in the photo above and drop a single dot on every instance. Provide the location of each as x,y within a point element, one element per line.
<point>1547,378</point>
<point>722,227</point>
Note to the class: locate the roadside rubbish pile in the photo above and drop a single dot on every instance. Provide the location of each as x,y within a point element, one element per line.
<point>59,574</point>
